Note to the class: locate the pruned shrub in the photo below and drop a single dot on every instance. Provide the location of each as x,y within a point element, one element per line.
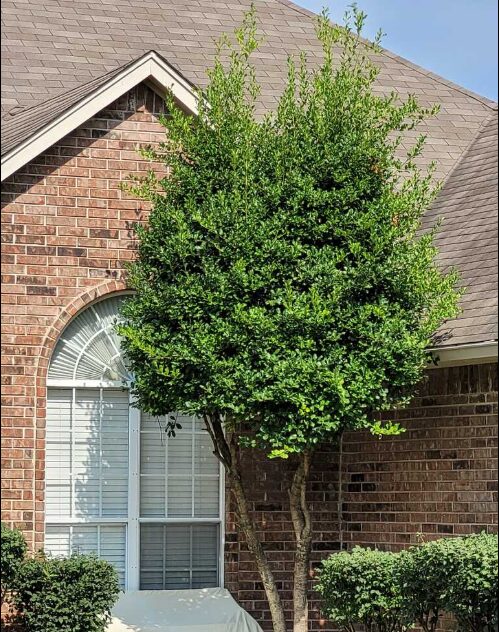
<point>362,588</point>
<point>74,594</point>
<point>424,573</point>
<point>390,592</point>
<point>453,575</point>
<point>13,553</point>
<point>473,582</point>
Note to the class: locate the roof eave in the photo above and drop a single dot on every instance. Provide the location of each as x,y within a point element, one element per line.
<point>150,68</point>
<point>464,354</point>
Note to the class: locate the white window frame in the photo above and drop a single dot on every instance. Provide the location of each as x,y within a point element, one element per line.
<point>133,521</point>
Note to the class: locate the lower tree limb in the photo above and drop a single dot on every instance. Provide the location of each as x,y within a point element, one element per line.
<point>227,450</point>
<point>300,515</point>
<point>254,545</point>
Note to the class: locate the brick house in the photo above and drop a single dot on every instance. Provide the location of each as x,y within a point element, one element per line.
<point>81,469</point>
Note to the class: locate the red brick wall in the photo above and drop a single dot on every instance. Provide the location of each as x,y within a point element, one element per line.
<point>66,235</point>
<point>438,479</point>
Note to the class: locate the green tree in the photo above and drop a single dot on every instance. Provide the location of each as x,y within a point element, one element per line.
<point>283,288</point>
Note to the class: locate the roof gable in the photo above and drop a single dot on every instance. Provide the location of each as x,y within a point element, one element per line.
<point>35,129</point>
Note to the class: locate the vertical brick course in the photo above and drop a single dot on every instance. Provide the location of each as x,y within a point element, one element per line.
<point>66,234</point>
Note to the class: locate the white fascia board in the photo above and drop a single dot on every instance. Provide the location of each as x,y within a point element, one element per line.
<point>459,355</point>
<point>150,67</point>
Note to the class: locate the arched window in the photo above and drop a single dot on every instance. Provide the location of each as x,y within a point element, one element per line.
<point>116,485</point>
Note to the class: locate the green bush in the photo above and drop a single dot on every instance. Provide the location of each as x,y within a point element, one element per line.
<point>13,553</point>
<point>361,587</point>
<point>424,574</point>
<point>388,592</point>
<point>74,594</point>
<point>454,575</point>
<point>473,583</point>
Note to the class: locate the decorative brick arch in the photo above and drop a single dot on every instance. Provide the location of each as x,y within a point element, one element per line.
<point>77,305</point>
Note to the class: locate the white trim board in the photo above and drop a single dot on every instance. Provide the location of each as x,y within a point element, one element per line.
<point>460,355</point>
<point>149,68</point>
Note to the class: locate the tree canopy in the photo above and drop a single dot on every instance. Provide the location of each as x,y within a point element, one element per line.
<point>282,280</point>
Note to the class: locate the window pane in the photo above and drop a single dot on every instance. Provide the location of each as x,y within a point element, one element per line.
<point>180,497</point>
<point>58,492</point>
<point>152,497</point>
<point>176,557</point>
<point>205,462</point>
<point>180,454</point>
<point>206,494</point>
<point>187,466</point>
<point>204,579</point>
<point>89,348</point>
<point>106,541</point>
<point>114,453</point>
<point>87,453</point>
<point>153,452</point>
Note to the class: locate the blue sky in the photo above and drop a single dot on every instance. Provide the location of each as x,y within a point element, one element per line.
<point>457,39</point>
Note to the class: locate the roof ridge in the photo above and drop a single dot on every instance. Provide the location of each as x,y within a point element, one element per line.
<point>490,103</point>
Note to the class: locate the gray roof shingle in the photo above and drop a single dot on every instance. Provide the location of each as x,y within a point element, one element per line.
<point>56,51</point>
<point>51,47</point>
<point>468,206</point>
<point>16,129</point>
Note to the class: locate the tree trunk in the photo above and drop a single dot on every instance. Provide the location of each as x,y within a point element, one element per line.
<point>227,451</point>
<point>302,524</point>
<point>254,545</point>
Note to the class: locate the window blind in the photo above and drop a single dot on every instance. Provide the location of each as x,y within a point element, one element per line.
<point>87,453</point>
<point>87,485</point>
<point>107,541</point>
<point>176,557</point>
<point>87,473</point>
<point>179,476</point>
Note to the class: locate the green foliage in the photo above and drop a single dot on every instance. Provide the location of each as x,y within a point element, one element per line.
<point>66,595</point>
<point>361,587</point>
<point>13,553</point>
<point>425,574</point>
<point>386,429</point>
<point>282,280</point>
<point>392,591</point>
<point>472,574</point>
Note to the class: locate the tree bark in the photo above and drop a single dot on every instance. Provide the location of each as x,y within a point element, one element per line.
<point>227,451</point>
<point>302,523</point>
